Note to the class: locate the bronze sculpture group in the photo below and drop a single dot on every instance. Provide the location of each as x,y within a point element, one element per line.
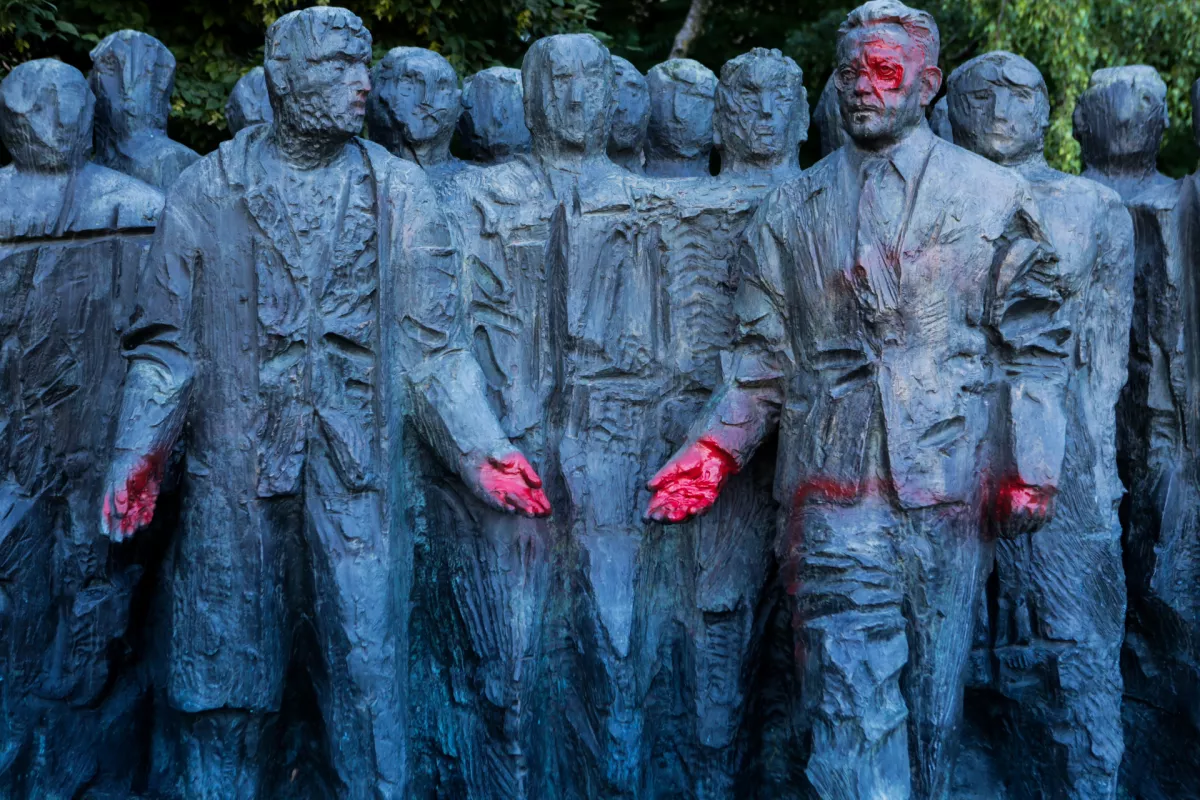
<point>619,458</point>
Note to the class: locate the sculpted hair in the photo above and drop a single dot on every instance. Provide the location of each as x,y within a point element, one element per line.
<point>305,34</point>
<point>919,25</point>
<point>685,70</point>
<point>1136,75</point>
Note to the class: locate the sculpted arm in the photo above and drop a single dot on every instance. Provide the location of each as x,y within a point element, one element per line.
<point>1033,337</point>
<point>746,407</point>
<point>158,347</point>
<point>449,402</point>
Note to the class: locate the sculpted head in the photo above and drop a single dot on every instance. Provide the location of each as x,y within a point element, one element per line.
<point>999,107</point>
<point>761,108</point>
<point>1122,115</point>
<point>248,103</point>
<point>46,112</point>
<point>492,126</point>
<point>317,65</point>
<point>568,93</point>
<point>133,75</point>
<point>886,71</point>
<point>416,100</point>
<point>631,107</point>
<point>682,100</point>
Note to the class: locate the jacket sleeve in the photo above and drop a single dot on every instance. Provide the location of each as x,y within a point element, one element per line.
<point>158,340</point>
<point>745,408</point>
<point>1033,338</point>
<point>1104,329</point>
<point>448,401</point>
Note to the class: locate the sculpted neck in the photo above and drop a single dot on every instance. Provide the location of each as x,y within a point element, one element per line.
<point>1131,167</point>
<point>675,166</point>
<point>769,171</point>
<point>308,150</point>
<point>882,145</point>
<point>629,159</point>
<point>427,154</point>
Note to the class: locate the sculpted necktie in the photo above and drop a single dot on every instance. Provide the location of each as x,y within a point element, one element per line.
<point>877,251</point>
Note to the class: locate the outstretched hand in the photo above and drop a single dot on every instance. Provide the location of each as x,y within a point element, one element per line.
<point>1023,509</point>
<point>130,496</point>
<point>510,483</point>
<point>689,483</point>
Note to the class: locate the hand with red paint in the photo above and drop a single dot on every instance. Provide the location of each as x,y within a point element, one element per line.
<point>1023,509</point>
<point>510,483</point>
<point>689,483</point>
<point>130,495</point>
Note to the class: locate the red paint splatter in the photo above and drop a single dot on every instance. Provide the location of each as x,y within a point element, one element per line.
<point>690,483</point>
<point>515,484</point>
<point>132,508</point>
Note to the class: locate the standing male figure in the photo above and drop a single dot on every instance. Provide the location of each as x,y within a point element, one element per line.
<point>895,323</point>
<point>296,324</point>
<point>680,135</point>
<point>1119,121</point>
<point>720,562</point>
<point>133,75</point>
<point>72,235</point>
<point>630,117</point>
<point>1060,609</point>
<point>414,108</point>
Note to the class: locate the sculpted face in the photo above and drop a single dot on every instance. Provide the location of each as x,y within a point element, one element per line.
<point>883,83</point>
<point>46,116</point>
<point>631,106</point>
<point>568,93</point>
<point>420,92</point>
<point>133,75</point>
<point>998,110</point>
<point>323,91</point>
<point>761,112</point>
<point>681,113</point>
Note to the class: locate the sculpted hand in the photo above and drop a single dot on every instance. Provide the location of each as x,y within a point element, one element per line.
<point>1022,509</point>
<point>130,495</point>
<point>689,483</point>
<point>510,483</point>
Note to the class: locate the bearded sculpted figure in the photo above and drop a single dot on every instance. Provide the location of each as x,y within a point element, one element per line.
<point>298,333</point>
<point>133,75</point>
<point>248,103</point>
<point>875,293</point>
<point>492,126</point>
<point>1059,609</point>
<point>630,117</point>
<point>1120,121</point>
<point>72,235</point>
<point>680,135</point>
<point>414,109</point>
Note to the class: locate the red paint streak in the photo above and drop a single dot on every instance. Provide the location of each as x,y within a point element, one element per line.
<point>690,483</point>
<point>513,482</point>
<point>1014,498</point>
<point>133,506</point>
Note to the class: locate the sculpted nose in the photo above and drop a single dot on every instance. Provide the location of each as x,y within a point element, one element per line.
<point>576,96</point>
<point>767,104</point>
<point>862,84</point>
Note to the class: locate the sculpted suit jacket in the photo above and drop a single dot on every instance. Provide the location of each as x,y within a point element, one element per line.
<point>226,314</point>
<point>963,367</point>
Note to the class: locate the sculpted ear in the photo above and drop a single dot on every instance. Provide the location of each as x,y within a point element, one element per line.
<point>931,83</point>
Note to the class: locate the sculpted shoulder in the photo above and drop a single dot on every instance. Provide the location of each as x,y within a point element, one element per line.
<point>984,181</point>
<point>1163,197</point>
<point>110,195</point>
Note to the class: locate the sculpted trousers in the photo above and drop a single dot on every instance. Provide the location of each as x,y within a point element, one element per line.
<point>885,602</point>
<point>356,614</point>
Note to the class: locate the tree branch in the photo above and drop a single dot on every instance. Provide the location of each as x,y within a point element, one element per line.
<point>692,26</point>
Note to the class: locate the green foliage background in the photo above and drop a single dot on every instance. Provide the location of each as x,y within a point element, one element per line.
<point>215,41</point>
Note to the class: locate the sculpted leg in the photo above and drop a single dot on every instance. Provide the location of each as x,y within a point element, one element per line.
<point>849,599</point>
<point>222,754</point>
<point>359,630</point>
